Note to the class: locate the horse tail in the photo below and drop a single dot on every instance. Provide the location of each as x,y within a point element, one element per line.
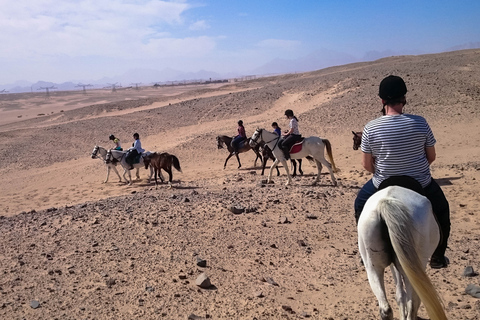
<point>330,154</point>
<point>400,228</point>
<point>176,163</point>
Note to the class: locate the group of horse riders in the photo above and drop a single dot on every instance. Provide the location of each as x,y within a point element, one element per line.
<point>288,138</point>
<point>133,152</point>
<point>396,144</point>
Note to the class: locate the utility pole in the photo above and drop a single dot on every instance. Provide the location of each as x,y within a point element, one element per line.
<point>84,86</point>
<point>47,91</point>
<point>114,86</point>
<point>136,85</point>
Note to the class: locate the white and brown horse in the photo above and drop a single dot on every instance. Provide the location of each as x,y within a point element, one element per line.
<point>311,146</point>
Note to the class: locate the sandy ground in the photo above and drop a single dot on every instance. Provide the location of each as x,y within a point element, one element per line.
<point>84,249</point>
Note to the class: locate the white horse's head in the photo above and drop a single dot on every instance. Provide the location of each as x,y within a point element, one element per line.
<point>256,137</point>
<point>95,152</point>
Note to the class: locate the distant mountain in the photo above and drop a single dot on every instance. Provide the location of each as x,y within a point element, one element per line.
<point>316,60</point>
<point>140,76</point>
<point>465,46</point>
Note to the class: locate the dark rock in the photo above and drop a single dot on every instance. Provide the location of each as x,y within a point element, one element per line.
<point>469,272</point>
<point>201,263</point>
<point>473,290</point>
<point>34,304</point>
<point>237,209</point>
<point>203,281</point>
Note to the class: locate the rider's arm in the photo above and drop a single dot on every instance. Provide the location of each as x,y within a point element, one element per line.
<point>368,162</point>
<point>288,132</point>
<point>430,153</point>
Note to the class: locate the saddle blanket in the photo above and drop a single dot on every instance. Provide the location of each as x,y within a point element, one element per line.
<point>297,147</point>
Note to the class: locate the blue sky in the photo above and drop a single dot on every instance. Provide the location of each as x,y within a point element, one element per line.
<point>67,40</point>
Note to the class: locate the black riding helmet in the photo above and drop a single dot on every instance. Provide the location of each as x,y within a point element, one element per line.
<point>240,122</point>
<point>392,88</point>
<point>112,137</point>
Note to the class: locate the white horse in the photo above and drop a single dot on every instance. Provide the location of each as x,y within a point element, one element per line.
<point>114,156</point>
<point>311,146</point>
<point>101,153</point>
<point>397,228</point>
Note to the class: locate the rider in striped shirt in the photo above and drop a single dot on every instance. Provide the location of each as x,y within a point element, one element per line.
<point>399,144</point>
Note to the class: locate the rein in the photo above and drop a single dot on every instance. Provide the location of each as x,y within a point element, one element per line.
<point>267,142</point>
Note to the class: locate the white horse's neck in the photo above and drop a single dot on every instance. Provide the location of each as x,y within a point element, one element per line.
<point>103,152</point>
<point>270,139</point>
<point>117,154</point>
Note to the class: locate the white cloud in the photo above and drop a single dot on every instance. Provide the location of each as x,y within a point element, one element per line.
<point>32,29</point>
<point>199,25</point>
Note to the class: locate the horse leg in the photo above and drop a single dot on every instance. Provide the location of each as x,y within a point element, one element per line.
<point>400,296</point>
<point>274,165</point>
<point>264,163</point>
<point>118,174</point>
<point>285,165</point>
<point>300,167</point>
<point>226,160</point>
<point>375,273</point>
<point>319,171</point>
<point>411,302</point>
<point>294,166</point>
<point>238,159</point>
<point>156,182</point>
<point>138,173</point>
<point>170,177</point>
<point>129,176</point>
<point>329,167</point>
<point>108,173</point>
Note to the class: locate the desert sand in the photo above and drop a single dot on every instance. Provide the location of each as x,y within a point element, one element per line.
<point>73,247</point>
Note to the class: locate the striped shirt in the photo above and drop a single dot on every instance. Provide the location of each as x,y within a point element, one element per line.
<point>397,143</point>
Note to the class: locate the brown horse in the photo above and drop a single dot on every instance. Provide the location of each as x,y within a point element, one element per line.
<point>357,140</point>
<point>163,161</point>
<point>244,147</point>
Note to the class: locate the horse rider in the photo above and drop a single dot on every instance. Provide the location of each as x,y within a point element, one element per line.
<point>239,138</point>
<point>276,128</point>
<point>291,136</point>
<point>134,151</point>
<point>117,142</point>
<point>400,144</point>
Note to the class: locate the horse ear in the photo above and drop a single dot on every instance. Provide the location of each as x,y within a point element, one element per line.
<point>354,133</point>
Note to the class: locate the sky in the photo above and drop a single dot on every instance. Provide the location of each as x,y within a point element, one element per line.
<point>67,40</point>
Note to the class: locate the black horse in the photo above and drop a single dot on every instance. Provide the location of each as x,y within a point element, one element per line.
<point>244,147</point>
<point>268,154</point>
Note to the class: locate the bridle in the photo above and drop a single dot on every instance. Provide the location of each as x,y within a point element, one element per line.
<point>95,152</point>
<point>260,135</point>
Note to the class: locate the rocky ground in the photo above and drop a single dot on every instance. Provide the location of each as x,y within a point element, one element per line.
<point>75,248</point>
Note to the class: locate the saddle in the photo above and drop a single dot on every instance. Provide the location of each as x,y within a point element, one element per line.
<point>297,146</point>
<point>403,181</point>
<point>137,158</point>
